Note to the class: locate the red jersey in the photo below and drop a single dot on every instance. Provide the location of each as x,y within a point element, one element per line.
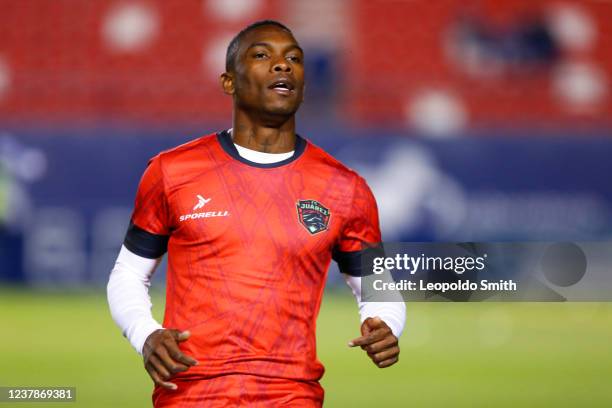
<point>248,247</point>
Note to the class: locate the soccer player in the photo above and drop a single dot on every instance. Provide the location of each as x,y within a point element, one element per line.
<point>251,218</point>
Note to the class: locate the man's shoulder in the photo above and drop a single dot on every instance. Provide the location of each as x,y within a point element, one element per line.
<point>183,161</point>
<point>326,159</point>
<point>187,149</point>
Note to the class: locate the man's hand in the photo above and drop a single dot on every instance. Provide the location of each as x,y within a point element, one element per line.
<point>163,358</point>
<point>378,341</point>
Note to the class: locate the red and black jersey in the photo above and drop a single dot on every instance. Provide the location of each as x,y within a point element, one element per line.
<point>248,247</point>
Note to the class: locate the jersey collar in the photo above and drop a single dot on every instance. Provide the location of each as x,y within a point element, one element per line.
<point>225,140</point>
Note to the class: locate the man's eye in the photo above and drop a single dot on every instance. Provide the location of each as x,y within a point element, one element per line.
<point>260,55</point>
<point>295,58</point>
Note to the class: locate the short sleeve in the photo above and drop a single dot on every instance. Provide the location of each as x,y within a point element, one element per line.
<point>149,229</point>
<point>361,228</point>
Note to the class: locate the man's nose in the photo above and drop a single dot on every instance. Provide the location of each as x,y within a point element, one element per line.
<point>281,66</point>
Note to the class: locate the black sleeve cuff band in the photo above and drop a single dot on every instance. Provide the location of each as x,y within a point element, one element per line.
<point>348,262</point>
<point>352,262</point>
<point>145,244</point>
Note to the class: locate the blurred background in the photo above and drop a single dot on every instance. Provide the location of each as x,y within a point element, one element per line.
<point>470,120</point>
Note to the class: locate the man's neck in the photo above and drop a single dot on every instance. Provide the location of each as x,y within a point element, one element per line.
<point>264,138</point>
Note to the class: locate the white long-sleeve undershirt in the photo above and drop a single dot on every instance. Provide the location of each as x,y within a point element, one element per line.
<point>392,313</point>
<point>128,296</point>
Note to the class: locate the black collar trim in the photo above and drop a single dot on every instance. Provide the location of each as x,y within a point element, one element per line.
<point>225,140</point>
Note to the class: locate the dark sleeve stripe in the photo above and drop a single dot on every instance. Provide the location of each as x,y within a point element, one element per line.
<point>348,262</point>
<point>351,262</point>
<point>144,243</point>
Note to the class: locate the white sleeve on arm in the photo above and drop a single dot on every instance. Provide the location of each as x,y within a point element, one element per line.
<point>392,313</point>
<point>128,296</point>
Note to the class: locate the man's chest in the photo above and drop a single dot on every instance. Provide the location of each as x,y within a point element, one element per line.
<point>283,211</point>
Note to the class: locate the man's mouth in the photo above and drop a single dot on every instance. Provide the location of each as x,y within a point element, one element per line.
<point>282,87</point>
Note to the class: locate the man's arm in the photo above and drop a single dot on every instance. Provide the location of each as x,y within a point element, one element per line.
<point>382,324</point>
<point>130,306</point>
<point>128,296</point>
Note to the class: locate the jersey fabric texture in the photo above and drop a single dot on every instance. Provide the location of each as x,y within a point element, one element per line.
<point>248,247</point>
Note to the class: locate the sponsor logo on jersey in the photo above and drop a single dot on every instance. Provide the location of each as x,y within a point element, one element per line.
<point>196,215</point>
<point>201,202</point>
<point>313,215</point>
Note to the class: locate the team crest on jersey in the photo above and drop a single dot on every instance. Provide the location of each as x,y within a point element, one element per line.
<point>313,215</point>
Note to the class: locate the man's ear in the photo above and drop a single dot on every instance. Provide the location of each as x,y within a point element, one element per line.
<point>227,83</point>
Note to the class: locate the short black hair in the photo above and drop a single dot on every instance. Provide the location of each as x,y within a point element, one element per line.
<point>232,48</point>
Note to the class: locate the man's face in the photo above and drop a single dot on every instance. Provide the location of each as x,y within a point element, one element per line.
<point>269,72</point>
